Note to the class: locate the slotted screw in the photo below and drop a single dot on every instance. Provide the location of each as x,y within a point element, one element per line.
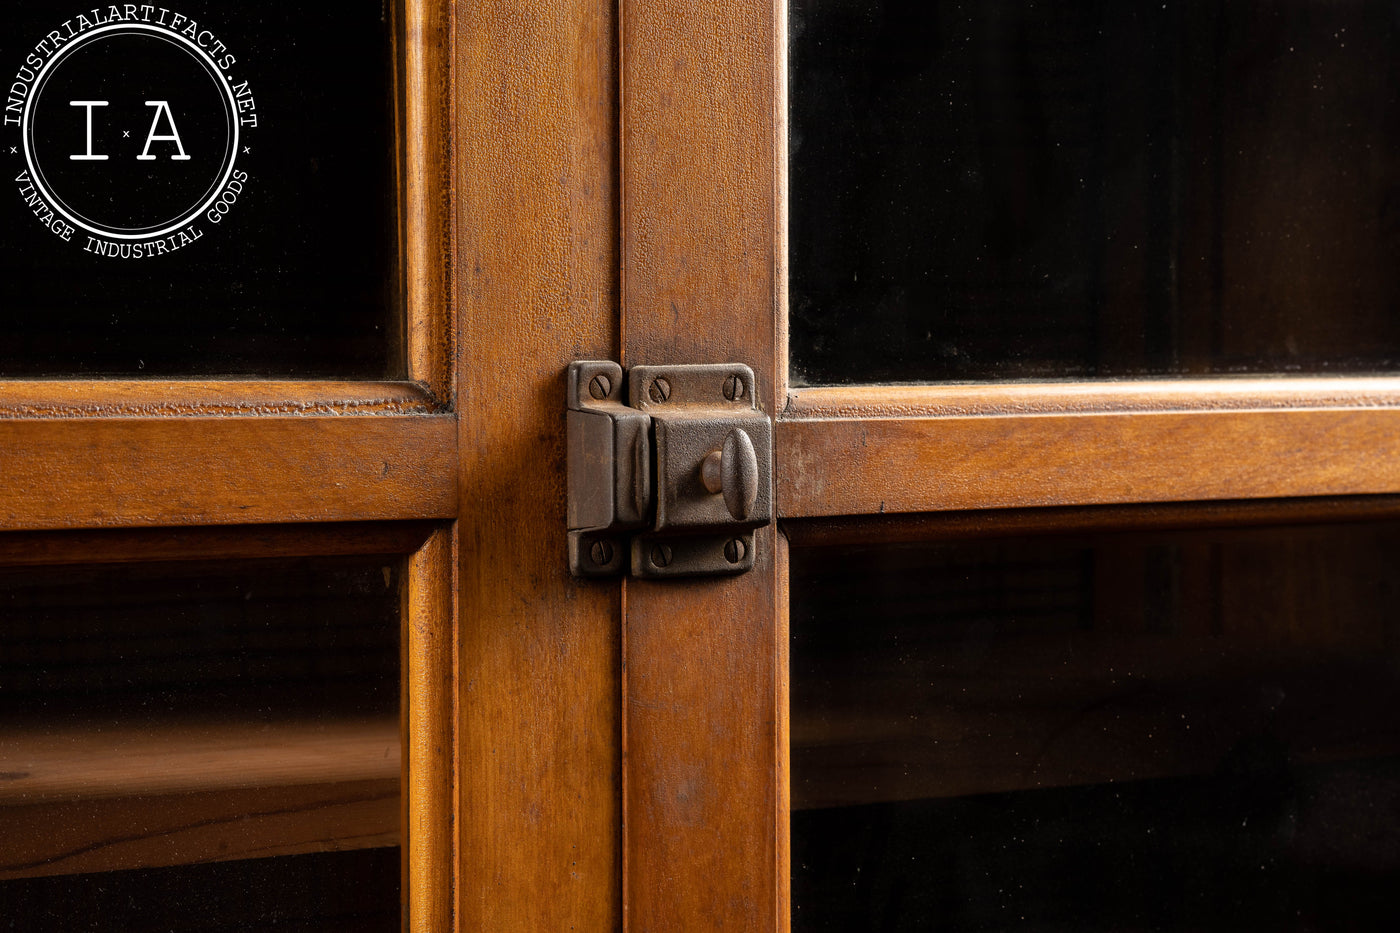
<point>733,387</point>
<point>601,552</point>
<point>660,389</point>
<point>661,555</point>
<point>734,550</point>
<point>600,386</point>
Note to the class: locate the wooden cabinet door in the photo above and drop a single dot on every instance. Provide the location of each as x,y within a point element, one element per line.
<point>280,457</point>
<point>705,195</point>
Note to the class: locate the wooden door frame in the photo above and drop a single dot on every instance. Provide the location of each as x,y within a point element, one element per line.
<point>703,168</point>
<point>535,282</point>
<point>174,470</point>
<point>705,663</point>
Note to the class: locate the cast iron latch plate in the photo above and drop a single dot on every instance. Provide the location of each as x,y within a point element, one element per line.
<point>674,482</point>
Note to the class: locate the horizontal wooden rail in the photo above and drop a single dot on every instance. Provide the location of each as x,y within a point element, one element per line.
<point>847,452</point>
<point>134,472</point>
<point>228,542</point>
<point>78,798</point>
<point>42,398</point>
<point>1023,398</point>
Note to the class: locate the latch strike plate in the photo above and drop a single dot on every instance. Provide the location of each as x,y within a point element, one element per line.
<point>678,479</point>
<point>609,469</point>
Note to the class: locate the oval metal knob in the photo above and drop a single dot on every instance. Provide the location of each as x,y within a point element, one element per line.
<point>733,471</point>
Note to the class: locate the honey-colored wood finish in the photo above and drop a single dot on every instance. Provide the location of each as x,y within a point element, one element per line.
<point>536,286</point>
<point>876,450</point>
<point>289,468</point>
<point>124,398</point>
<point>98,797</point>
<point>428,717</point>
<point>131,472</point>
<point>861,466</point>
<point>423,125</point>
<point>1064,398</point>
<point>705,757</point>
<point>596,755</point>
<point>703,230</point>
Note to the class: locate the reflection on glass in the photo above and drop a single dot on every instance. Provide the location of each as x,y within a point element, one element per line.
<point>1029,190</point>
<point>158,717</point>
<point>204,190</point>
<point>1184,731</point>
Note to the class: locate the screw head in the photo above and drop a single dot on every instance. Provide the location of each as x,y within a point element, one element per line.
<point>602,552</point>
<point>600,386</point>
<point>733,387</point>
<point>735,549</point>
<point>661,555</point>
<point>660,389</point>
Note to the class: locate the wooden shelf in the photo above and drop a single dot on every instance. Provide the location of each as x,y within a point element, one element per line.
<point>89,796</point>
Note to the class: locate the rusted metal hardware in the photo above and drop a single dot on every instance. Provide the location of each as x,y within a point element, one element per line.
<point>609,463</point>
<point>714,481</point>
<point>685,471</point>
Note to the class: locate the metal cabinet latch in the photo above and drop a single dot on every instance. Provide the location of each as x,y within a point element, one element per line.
<point>674,482</point>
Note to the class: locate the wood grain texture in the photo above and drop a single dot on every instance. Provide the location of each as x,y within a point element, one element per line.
<point>119,398</point>
<point>423,121</point>
<point>705,821</point>
<point>536,278</point>
<point>1235,394</point>
<point>867,466</point>
<point>150,456</point>
<point>150,832</point>
<point>150,471</point>
<point>98,797</point>
<point>429,722</point>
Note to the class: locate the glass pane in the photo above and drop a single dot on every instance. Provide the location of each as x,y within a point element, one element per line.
<point>1180,731</point>
<point>1024,190</point>
<point>341,892</point>
<point>201,192</point>
<point>157,717</point>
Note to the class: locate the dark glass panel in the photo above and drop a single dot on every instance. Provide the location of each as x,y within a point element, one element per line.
<point>297,637</point>
<point>278,253</point>
<point>1175,731</point>
<point>1032,190</point>
<point>154,716</point>
<point>341,892</point>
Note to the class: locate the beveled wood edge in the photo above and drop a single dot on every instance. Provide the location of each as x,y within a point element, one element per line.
<point>129,398</point>
<point>882,530</point>
<point>423,118</point>
<point>782,637</point>
<point>1158,395</point>
<point>782,390</point>
<point>429,712</point>
<point>194,543</point>
<point>782,752</point>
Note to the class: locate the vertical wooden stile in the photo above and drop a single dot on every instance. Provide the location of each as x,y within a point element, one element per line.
<point>705,759</point>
